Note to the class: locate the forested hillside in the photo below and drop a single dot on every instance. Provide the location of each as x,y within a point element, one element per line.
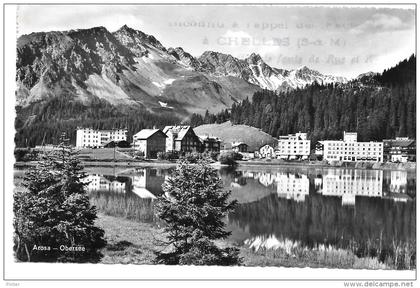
<point>384,108</point>
<point>379,111</point>
<point>43,122</point>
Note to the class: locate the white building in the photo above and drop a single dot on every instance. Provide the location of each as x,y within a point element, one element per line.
<point>90,138</point>
<point>292,186</point>
<point>294,146</point>
<point>266,151</point>
<point>349,149</point>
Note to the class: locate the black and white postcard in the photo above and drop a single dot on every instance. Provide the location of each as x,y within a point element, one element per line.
<point>210,141</point>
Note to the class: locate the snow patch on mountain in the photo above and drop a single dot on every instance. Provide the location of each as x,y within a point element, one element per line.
<point>168,81</point>
<point>165,105</point>
<point>164,83</point>
<point>158,84</point>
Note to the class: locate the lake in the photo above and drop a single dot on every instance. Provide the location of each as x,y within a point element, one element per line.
<point>371,212</point>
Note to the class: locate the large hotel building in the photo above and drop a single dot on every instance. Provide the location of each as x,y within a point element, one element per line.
<point>294,146</point>
<point>91,138</point>
<point>349,149</point>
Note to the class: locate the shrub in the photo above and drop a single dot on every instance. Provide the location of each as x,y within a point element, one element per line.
<point>139,155</point>
<point>170,155</point>
<point>193,210</point>
<point>25,154</point>
<point>192,157</point>
<point>229,158</point>
<point>237,156</point>
<point>211,155</point>
<point>160,155</point>
<point>55,212</point>
<point>123,144</point>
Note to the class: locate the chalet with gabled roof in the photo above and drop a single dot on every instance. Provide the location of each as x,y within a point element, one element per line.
<point>209,143</point>
<point>181,139</point>
<point>239,147</point>
<point>150,142</point>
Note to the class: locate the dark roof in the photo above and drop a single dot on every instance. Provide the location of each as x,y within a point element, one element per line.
<point>208,138</point>
<point>400,143</point>
<point>147,133</point>
<point>181,130</point>
<point>236,144</point>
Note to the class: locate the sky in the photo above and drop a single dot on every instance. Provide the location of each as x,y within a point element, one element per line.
<point>335,40</point>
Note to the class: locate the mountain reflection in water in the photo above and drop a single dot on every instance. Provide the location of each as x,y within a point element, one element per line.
<point>368,211</point>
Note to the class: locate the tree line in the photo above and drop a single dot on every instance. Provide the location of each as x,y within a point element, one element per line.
<point>383,109</point>
<point>379,107</point>
<point>44,122</point>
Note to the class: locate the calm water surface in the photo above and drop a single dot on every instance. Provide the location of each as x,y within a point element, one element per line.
<point>369,211</point>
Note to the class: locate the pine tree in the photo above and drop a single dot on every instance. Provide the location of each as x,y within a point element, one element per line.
<point>193,209</point>
<point>54,213</point>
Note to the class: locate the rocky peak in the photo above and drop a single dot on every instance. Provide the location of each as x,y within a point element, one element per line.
<point>304,69</point>
<point>48,59</point>
<point>184,57</point>
<point>254,58</point>
<point>223,64</point>
<point>99,31</point>
<point>216,56</point>
<point>258,65</point>
<point>126,28</point>
<point>209,56</point>
<point>70,55</point>
<point>136,40</point>
<point>306,73</point>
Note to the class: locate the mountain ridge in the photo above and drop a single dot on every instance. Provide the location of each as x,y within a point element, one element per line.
<point>130,67</point>
<point>67,79</point>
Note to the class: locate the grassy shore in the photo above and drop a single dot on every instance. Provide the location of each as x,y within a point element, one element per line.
<point>250,163</point>
<point>131,242</point>
<point>123,157</point>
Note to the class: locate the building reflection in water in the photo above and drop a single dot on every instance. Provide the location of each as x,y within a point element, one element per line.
<point>349,183</point>
<point>292,186</point>
<point>344,183</point>
<point>266,179</point>
<point>287,208</point>
<point>318,182</point>
<point>147,183</point>
<point>398,183</point>
<point>100,183</point>
<point>397,186</point>
<point>317,210</point>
